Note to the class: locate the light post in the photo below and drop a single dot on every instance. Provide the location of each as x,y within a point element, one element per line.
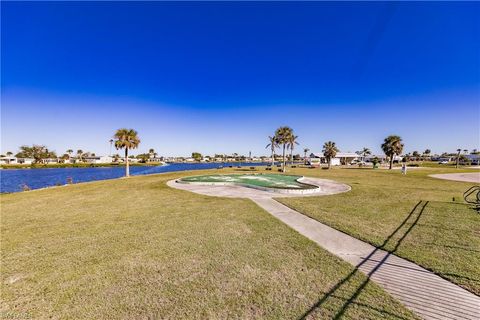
<point>111,143</point>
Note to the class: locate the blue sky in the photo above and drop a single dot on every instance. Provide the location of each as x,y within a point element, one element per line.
<point>220,77</point>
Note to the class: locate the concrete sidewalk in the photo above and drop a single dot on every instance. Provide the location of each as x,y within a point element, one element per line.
<point>425,293</point>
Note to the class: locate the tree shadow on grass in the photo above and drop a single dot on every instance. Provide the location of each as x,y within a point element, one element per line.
<point>415,214</point>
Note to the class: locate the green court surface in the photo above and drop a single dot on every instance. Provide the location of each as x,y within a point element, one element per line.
<point>261,180</point>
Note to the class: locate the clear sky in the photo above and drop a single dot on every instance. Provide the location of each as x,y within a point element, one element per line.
<point>220,77</point>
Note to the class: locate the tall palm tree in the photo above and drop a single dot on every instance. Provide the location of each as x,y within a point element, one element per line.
<point>9,153</point>
<point>283,137</point>
<point>458,157</point>
<point>291,145</point>
<point>69,153</point>
<point>273,144</point>
<point>329,151</point>
<point>365,152</point>
<point>126,139</point>
<point>80,154</point>
<point>391,146</point>
<point>305,151</point>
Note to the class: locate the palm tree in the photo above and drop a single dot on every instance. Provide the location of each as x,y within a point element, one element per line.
<point>126,139</point>
<point>291,145</point>
<point>392,145</point>
<point>80,154</point>
<point>9,153</point>
<point>69,153</point>
<point>151,154</point>
<point>458,157</point>
<point>329,151</point>
<point>426,153</point>
<point>365,152</point>
<point>305,151</point>
<point>272,145</point>
<point>283,137</point>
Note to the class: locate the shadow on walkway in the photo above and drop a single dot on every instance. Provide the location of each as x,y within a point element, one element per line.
<point>414,215</point>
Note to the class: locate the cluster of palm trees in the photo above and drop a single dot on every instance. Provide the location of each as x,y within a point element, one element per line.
<point>285,139</point>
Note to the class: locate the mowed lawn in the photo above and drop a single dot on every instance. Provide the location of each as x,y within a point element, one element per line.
<point>413,216</point>
<point>137,249</point>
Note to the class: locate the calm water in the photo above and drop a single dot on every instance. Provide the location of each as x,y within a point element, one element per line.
<point>12,180</point>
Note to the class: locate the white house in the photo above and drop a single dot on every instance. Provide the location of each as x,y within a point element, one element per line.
<point>345,158</point>
<point>25,160</point>
<point>8,160</point>
<point>99,159</point>
<point>50,160</point>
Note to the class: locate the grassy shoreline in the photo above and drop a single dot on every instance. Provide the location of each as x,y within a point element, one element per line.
<point>73,165</point>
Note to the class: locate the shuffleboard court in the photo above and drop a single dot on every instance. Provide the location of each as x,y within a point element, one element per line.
<point>464,177</point>
<point>258,185</point>
<point>276,181</point>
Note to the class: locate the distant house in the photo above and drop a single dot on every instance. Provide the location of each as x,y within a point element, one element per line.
<point>342,158</point>
<point>25,160</point>
<point>8,160</point>
<point>50,160</point>
<point>474,159</point>
<point>443,159</point>
<point>98,159</point>
<point>382,158</point>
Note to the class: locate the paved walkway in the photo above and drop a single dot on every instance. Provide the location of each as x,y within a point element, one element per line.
<point>465,177</point>
<point>425,293</point>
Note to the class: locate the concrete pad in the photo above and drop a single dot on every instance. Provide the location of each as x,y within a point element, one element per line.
<point>464,177</point>
<point>325,187</point>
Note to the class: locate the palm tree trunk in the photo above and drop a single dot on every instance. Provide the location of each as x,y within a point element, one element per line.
<point>127,168</point>
<point>273,157</point>
<point>391,162</point>
<point>283,170</point>
<point>291,157</point>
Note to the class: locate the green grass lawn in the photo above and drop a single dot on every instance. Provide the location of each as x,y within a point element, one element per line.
<point>137,249</point>
<point>413,216</point>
